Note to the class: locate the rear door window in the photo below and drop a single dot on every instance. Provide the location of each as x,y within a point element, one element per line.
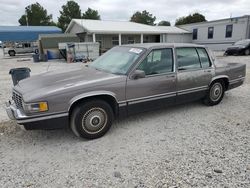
<point>187,58</point>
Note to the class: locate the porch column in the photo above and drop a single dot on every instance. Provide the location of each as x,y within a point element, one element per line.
<point>94,40</point>
<point>120,39</point>
<point>141,38</point>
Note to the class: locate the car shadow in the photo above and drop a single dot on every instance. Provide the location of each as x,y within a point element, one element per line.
<point>12,130</point>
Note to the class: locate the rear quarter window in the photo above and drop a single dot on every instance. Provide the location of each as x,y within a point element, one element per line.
<point>205,61</point>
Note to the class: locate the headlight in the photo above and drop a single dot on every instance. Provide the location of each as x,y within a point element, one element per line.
<point>36,107</point>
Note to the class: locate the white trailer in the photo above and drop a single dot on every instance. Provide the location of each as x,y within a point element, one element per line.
<point>80,51</point>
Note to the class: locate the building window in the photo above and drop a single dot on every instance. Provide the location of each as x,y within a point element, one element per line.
<point>229,31</point>
<point>195,34</point>
<point>145,39</point>
<point>99,39</point>
<point>210,33</point>
<point>131,40</point>
<point>115,40</point>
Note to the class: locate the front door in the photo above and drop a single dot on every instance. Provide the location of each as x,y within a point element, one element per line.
<point>194,73</point>
<point>158,88</point>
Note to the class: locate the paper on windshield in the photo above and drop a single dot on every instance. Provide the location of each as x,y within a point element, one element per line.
<point>135,50</point>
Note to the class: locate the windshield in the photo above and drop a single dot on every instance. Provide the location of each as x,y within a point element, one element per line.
<point>242,42</point>
<point>117,60</point>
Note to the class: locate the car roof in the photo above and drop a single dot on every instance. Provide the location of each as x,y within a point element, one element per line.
<point>170,45</point>
<point>247,40</point>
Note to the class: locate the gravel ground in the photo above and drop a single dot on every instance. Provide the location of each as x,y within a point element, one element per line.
<point>188,145</point>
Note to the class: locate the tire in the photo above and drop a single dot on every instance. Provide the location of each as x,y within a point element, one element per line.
<point>247,52</point>
<point>91,119</point>
<point>12,53</point>
<point>215,93</point>
<point>28,127</point>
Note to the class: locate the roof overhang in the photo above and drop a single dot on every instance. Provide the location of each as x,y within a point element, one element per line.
<point>134,28</point>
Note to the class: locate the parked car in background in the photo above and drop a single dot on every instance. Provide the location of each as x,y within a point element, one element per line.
<point>2,45</point>
<point>22,48</point>
<point>125,80</point>
<point>241,47</point>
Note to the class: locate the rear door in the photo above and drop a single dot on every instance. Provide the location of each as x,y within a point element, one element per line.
<point>158,88</point>
<point>194,73</point>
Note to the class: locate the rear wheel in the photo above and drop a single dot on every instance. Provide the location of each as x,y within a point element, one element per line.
<point>91,119</point>
<point>247,52</point>
<point>12,53</point>
<point>215,93</point>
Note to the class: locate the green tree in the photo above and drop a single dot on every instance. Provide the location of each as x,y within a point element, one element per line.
<point>143,17</point>
<point>36,15</point>
<point>69,11</point>
<point>164,23</point>
<point>91,14</point>
<point>191,18</point>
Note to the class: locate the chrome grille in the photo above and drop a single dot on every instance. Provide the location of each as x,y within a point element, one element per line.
<point>17,98</point>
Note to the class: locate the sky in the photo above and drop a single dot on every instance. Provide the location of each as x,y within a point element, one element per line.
<point>11,10</point>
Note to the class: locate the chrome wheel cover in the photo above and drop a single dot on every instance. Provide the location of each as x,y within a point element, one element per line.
<point>94,120</point>
<point>216,92</point>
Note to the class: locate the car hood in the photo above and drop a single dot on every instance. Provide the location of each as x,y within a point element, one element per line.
<point>56,81</point>
<point>235,47</point>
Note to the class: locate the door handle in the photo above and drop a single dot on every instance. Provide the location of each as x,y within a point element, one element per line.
<point>170,76</point>
<point>207,70</point>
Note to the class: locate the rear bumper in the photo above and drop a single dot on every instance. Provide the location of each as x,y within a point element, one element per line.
<point>236,83</point>
<point>52,121</point>
<point>233,52</point>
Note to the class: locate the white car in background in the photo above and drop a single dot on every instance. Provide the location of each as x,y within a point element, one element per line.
<point>2,44</point>
<point>22,48</point>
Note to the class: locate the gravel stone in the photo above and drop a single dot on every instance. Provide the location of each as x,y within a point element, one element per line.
<point>218,171</point>
<point>117,174</point>
<point>179,146</point>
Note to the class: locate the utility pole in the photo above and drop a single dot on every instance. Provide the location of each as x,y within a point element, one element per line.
<point>27,23</point>
<point>26,13</point>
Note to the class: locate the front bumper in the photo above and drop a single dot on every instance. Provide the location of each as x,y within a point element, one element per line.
<point>50,121</point>
<point>13,112</point>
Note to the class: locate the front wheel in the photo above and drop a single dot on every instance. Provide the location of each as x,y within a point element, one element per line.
<point>247,52</point>
<point>91,119</point>
<point>215,93</point>
<point>12,53</point>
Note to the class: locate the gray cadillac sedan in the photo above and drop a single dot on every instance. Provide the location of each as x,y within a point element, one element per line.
<point>125,80</point>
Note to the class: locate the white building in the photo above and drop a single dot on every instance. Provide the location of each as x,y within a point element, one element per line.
<point>112,33</point>
<point>219,34</point>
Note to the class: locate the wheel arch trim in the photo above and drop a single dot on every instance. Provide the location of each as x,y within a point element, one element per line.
<point>219,77</point>
<point>91,94</point>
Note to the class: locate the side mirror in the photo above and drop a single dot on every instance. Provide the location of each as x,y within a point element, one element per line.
<point>138,74</point>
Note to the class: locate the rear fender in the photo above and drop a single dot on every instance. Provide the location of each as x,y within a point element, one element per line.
<point>219,77</point>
